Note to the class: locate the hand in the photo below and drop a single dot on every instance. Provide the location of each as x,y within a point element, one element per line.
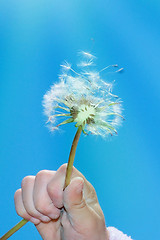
<point>72,214</point>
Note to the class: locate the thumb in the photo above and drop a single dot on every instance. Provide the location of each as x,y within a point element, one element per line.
<point>75,204</point>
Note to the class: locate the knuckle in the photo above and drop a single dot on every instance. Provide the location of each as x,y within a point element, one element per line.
<point>25,180</point>
<point>41,174</point>
<point>80,206</point>
<point>63,168</point>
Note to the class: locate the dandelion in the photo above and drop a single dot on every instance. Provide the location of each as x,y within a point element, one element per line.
<point>84,98</point>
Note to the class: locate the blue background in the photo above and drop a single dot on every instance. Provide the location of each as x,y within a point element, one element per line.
<point>35,38</point>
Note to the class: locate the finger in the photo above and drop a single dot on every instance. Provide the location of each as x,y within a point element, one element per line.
<point>81,215</point>
<point>89,193</point>
<point>42,201</point>
<point>27,198</point>
<point>55,187</point>
<point>20,208</point>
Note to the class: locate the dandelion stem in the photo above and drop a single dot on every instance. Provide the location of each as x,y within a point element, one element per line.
<point>67,181</point>
<point>14,229</point>
<point>72,156</point>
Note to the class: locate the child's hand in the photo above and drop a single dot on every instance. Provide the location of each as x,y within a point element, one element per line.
<point>72,214</point>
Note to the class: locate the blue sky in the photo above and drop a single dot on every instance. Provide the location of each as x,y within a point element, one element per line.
<point>35,38</point>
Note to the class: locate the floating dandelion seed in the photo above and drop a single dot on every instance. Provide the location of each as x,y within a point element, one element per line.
<point>84,98</point>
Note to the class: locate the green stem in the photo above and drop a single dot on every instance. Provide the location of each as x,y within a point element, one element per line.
<point>14,229</point>
<point>67,181</point>
<point>71,157</point>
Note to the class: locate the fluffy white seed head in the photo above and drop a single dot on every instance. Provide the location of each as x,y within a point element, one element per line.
<point>83,97</point>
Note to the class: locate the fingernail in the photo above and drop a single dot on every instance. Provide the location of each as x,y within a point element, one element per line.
<point>54,216</point>
<point>45,219</point>
<point>34,220</point>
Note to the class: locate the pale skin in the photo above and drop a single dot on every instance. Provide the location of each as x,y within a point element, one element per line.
<point>70,214</point>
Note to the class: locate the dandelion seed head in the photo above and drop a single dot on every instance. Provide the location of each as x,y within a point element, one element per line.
<point>83,97</point>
